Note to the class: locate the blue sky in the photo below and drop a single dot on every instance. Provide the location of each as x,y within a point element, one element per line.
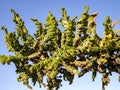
<point>39,9</point>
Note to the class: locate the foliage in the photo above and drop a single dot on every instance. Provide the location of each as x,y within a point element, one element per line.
<point>58,54</point>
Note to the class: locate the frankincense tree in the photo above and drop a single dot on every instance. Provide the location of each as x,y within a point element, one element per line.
<point>59,55</point>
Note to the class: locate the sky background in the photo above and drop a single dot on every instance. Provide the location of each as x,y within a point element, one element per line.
<point>39,9</point>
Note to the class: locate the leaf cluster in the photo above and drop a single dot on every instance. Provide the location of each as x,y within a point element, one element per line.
<point>60,55</point>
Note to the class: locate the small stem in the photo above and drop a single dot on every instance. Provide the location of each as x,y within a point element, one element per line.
<point>103,86</point>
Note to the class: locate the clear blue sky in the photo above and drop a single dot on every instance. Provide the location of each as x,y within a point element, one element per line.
<point>39,9</point>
